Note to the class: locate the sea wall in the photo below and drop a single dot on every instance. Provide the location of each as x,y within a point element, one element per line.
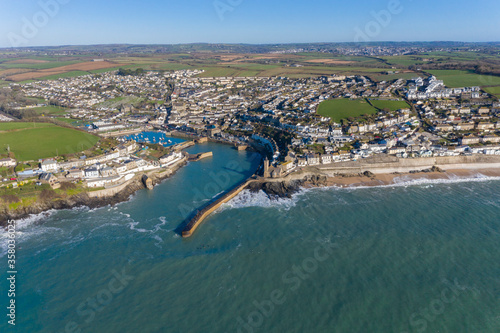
<point>392,164</point>
<point>183,145</point>
<point>123,133</point>
<point>206,211</point>
<point>319,175</point>
<point>200,156</point>
<point>109,192</point>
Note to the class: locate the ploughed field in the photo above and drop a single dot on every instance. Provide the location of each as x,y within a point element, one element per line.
<point>78,67</point>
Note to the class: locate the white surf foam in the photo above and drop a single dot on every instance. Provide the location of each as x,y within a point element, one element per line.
<point>406,180</point>
<point>27,228</point>
<point>246,198</point>
<point>157,227</point>
<point>260,199</point>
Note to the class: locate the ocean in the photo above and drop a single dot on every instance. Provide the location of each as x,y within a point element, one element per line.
<point>419,257</point>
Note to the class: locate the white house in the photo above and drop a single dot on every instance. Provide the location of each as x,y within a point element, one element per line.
<point>96,183</point>
<point>122,168</point>
<point>312,159</point>
<point>49,165</point>
<point>91,173</point>
<point>7,162</point>
<point>170,159</point>
<point>326,158</point>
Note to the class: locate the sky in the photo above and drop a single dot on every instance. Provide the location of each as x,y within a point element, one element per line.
<point>84,22</point>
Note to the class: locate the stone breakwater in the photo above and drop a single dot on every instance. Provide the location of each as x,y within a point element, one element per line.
<point>201,215</point>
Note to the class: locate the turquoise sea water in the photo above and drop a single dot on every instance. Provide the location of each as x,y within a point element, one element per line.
<point>419,258</point>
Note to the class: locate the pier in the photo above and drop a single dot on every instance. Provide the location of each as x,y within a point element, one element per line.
<point>202,140</point>
<point>124,132</point>
<point>200,156</point>
<point>183,145</point>
<point>195,222</point>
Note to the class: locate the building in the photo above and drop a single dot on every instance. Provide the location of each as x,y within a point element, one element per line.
<point>490,138</point>
<point>48,165</point>
<point>469,140</point>
<point>75,174</point>
<point>108,172</point>
<point>91,173</point>
<point>169,159</point>
<point>50,179</point>
<point>99,182</point>
<point>326,159</point>
<point>312,159</point>
<point>7,162</point>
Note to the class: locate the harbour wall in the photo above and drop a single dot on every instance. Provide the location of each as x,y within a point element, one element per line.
<point>183,145</point>
<point>391,164</point>
<point>195,222</point>
<point>123,133</point>
<point>200,156</point>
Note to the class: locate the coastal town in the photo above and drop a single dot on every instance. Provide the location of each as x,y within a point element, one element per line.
<point>278,113</point>
<point>250,166</point>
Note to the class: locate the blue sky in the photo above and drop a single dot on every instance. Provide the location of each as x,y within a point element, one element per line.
<point>27,23</point>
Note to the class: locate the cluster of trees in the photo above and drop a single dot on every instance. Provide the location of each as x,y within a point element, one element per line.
<point>126,72</point>
<point>447,66</point>
<point>487,69</point>
<point>19,114</point>
<point>13,97</point>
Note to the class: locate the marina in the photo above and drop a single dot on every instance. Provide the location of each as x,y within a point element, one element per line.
<point>156,137</point>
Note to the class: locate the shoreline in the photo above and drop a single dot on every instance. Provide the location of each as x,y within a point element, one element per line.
<point>339,175</point>
<point>288,186</point>
<point>101,198</point>
<point>391,179</point>
<point>91,200</point>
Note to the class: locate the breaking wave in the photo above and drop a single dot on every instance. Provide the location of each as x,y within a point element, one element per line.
<point>260,199</point>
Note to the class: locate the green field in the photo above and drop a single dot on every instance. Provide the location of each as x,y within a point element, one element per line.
<point>391,77</point>
<point>14,126</point>
<point>458,79</point>
<point>70,121</point>
<point>391,105</point>
<point>402,61</point>
<point>338,109</point>
<point>119,101</point>
<point>50,109</point>
<point>30,141</point>
<point>63,75</point>
<point>45,65</point>
<point>495,91</point>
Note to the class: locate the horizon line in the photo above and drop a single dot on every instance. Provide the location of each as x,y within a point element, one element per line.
<point>250,44</point>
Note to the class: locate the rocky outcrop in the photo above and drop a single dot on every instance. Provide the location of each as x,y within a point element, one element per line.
<point>282,189</point>
<point>433,169</point>
<point>78,200</point>
<point>287,188</point>
<point>82,199</point>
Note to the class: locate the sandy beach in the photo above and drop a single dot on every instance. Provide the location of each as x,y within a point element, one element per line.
<point>398,178</point>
